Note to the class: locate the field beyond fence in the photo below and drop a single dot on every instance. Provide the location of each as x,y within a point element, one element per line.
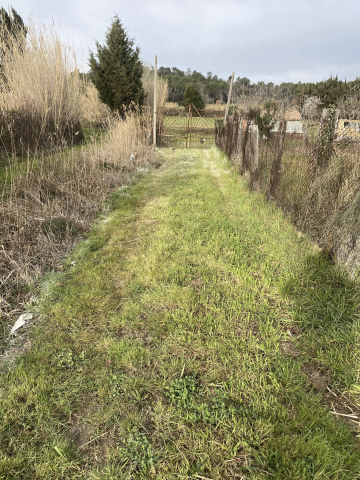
<point>313,176</point>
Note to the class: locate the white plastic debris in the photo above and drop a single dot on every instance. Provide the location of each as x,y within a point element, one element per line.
<point>73,263</point>
<point>132,157</point>
<point>20,322</point>
<point>143,170</point>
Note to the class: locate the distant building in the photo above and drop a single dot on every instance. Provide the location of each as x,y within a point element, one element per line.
<point>347,130</point>
<point>292,127</point>
<point>292,116</point>
<point>294,124</point>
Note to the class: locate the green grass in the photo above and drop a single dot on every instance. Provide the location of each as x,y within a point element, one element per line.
<point>191,339</point>
<point>196,122</point>
<point>14,167</point>
<point>177,129</point>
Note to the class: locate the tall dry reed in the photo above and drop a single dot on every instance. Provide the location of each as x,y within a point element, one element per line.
<point>162,90</point>
<point>39,85</point>
<point>92,111</point>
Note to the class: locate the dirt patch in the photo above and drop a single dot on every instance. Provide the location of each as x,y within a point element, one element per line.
<point>79,434</point>
<point>197,284</point>
<point>317,376</point>
<point>19,343</point>
<point>289,349</point>
<point>149,221</point>
<point>342,407</point>
<point>247,329</point>
<point>133,333</point>
<point>293,330</point>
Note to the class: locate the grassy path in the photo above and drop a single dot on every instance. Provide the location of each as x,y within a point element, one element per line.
<point>197,336</point>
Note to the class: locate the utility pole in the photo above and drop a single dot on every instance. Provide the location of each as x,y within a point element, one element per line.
<point>155,101</point>
<point>229,97</point>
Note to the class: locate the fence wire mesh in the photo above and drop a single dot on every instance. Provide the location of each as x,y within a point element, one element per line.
<point>313,174</point>
<point>186,127</point>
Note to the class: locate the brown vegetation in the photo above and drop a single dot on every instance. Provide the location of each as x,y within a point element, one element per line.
<point>92,111</point>
<point>44,210</point>
<point>52,192</point>
<point>39,86</point>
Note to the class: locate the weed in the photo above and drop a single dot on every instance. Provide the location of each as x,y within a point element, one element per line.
<point>60,227</point>
<point>67,359</point>
<point>116,386</point>
<point>137,452</point>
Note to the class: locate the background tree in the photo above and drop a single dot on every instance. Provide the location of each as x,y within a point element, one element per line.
<point>11,28</point>
<point>210,87</point>
<point>117,70</point>
<point>191,95</point>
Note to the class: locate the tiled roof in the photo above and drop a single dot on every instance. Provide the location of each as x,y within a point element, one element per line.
<point>292,115</point>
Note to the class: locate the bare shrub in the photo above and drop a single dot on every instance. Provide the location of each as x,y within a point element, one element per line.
<point>253,98</point>
<point>349,104</point>
<point>39,87</point>
<point>310,109</point>
<point>172,105</point>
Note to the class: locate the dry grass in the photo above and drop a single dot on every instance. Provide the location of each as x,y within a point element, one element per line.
<point>39,88</point>
<point>172,105</point>
<point>51,193</point>
<point>215,107</point>
<point>148,85</point>
<point>44,210</point>
<point>93,111</point>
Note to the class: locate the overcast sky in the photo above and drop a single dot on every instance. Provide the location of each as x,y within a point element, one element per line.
<point>271,40</point>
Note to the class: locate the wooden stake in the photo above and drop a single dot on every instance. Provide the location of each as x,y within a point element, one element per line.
<point>230,93</point>
<point>254,144</point>
<point>155,101</point>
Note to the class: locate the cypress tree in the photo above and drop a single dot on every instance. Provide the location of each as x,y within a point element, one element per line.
<point>116,71</point>
<point>191,95</point>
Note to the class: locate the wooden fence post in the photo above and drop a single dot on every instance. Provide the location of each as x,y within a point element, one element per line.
<point>254,149</point>
<point>245,160</point>
<point>229,97</point>
<point>254,143</point>
<point>305,140</point>
<point>275,175</point>
<point>239,144</point>
<point>155,102</point>
<point>325,139</point>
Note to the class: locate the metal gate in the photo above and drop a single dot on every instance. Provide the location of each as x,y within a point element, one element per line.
<point>187,127</point>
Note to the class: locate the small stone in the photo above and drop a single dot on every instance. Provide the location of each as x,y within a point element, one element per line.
<point>20,322</point>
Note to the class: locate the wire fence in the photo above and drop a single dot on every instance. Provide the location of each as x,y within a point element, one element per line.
<point>186,127</point>
<point>311,170</point>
